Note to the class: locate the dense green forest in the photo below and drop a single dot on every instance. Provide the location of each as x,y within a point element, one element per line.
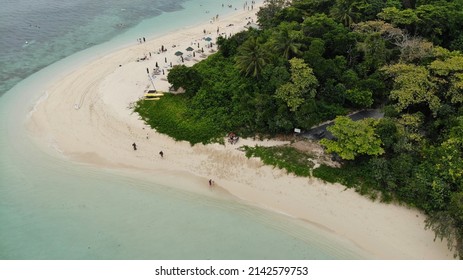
<point>317,60</point>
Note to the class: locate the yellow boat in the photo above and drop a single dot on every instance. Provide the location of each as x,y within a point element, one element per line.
<point>153,95</point>
<point>157,94</point>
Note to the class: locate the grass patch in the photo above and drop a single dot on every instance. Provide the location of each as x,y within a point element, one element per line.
<point>284,157</point>
<point>170,115</point>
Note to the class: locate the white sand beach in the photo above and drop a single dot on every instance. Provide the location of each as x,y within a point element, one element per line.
<point>86,117</point>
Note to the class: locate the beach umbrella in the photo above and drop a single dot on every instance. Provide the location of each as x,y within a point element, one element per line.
<point>178,53</point>
<point>208,39</point>
<point>189,49</point>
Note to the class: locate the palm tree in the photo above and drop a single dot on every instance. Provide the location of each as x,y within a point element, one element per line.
<point>286,43</point>
<point>345,11</point>
<point>251,58</point>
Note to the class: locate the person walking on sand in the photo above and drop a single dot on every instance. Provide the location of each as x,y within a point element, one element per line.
<point>211,183</point>
<point>161,153</point>
<point>134,146</point>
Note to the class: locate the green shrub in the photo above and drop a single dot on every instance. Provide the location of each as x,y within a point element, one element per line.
<point>284,157</point>
<point>170,115</point>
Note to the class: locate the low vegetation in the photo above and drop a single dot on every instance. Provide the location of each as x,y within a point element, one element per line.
<point>170,115</point>
<point>284,157</point>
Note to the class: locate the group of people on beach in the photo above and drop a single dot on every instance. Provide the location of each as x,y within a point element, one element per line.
<point>134,145</point>
<point>161,153</point>
<point>214,19</point>
<point>158,71</point>
<point>250,7</point>
<point>232,138</point>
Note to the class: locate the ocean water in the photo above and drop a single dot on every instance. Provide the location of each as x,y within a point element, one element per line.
<point>37,33</point>
<point>51,208</point>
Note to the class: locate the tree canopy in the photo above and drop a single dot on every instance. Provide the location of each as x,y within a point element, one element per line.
<point>353,138</point>
<point>302,86</point>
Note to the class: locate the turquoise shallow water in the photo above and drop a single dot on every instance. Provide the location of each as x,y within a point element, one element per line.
<point>36,33</point>
<point>51,208</point>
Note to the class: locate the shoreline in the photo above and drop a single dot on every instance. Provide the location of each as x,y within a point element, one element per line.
<point>101,129</point>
